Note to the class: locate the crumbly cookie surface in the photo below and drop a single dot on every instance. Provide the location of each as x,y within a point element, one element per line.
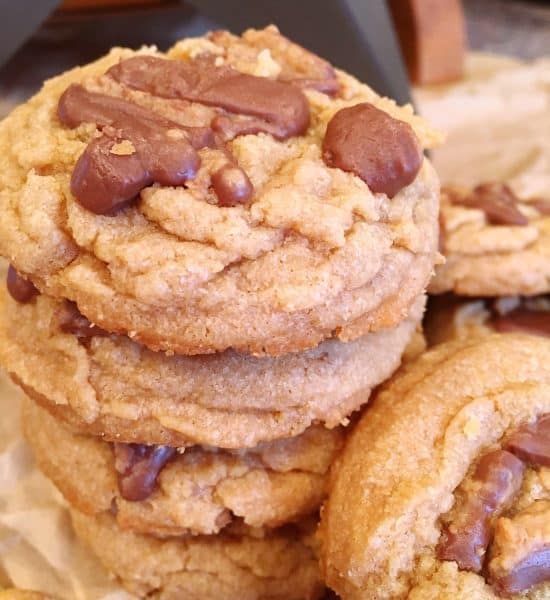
<point>488,258</point>
<point>111,386</point>
<point>398,474</point>
<point>315,253</point>
<point>200,491</point>
<point>17,594</point>
<point>252,566</point>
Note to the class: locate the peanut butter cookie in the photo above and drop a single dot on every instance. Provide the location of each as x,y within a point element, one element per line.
<point>159,491</point>
<point>443,488</point>
<point>251,565</point>
<point>451,316</point>
<point>232,193</point>
<point>495,243</point>
<point>111,386</point>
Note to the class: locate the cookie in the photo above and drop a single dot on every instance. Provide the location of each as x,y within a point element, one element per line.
<point>443,488</point>
<point>111,386</point>
<point>17,594</point>
<point>494,243</point>
<point>252,565</point>
<point>451,316</point>
<point>158,491</point>
<point>233,193</point>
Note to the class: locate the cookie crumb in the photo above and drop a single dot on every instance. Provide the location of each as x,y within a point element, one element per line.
<point>472,428</point>
<point>124,148</point>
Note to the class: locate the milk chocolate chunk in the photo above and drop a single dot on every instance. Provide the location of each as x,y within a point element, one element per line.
<point>496,200</point>
<point>520,554</point>
<point>381,150</point>
<point>542,205</point>
<point>531,442</point>
<point>279,108</point>
<point>21,290</point>
<point>231,185</point>
<point>495,483</point>
<point>138,467</point>
<point>137,148</point>
<point>524,319</point>
<point>71,320</point>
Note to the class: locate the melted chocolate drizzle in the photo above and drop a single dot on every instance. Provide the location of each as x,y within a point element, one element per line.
<point>139,148</point>
<point>161,151</point>
<point>280,109</point>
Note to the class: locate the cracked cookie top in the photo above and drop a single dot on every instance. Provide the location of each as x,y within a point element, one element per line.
<point>495,243</point>
<point>234,192</point>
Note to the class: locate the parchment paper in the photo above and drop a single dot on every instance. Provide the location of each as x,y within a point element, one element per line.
<point>498,126</point>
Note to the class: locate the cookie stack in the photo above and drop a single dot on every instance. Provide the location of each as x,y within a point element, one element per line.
<point>216,254</point>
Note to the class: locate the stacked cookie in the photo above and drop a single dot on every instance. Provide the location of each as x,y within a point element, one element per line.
<point>497,270</point>
<point>216,255</point>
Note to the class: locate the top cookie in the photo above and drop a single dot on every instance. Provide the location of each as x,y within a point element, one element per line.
<point>495,243</point>
<point>234,192</point>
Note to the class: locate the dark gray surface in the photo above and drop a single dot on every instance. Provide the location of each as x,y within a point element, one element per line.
<point>355,35</point>
<point>505,26</point>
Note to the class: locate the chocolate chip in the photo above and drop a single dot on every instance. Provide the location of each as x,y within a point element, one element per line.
<point>496,200</point>
<point>138,467</point>
<point>531,442</point>
<point>497,480</point>
<point>232,185</point>
<point>523,319</point>
<point>382,151</point>
<point>280,109</point>
<point>70,320</point>
<point>533,569</point>
<point>103,179</point>
<point>21,290</point>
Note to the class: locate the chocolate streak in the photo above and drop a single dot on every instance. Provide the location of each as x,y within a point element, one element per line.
<point>138,467</point>
<point>157,150</point>
<point>495,483</point>
<point>496,200</point>
<point>21,290</point>
<point>71,320</point>
<point>531,442</point>
<point>533,569</point>
<point>163,151</point>
<point>279,108</point>
<point>498,477</point>
<point>381,150</point>
<point>523,319</point>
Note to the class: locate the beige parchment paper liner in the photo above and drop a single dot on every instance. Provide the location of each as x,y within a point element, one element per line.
<point>38,549</point>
